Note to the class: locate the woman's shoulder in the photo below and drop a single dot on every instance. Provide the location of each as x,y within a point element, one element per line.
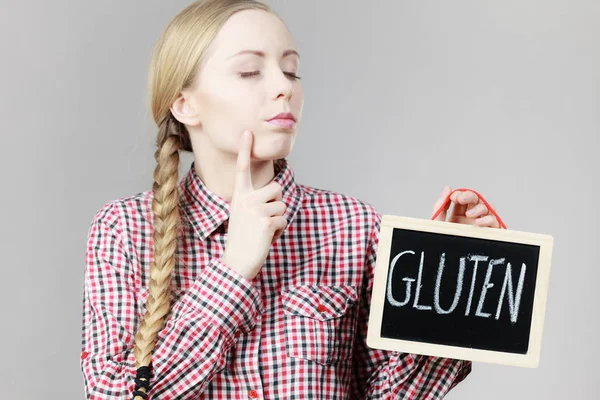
<point>324,200</point>
<point>131,210</point>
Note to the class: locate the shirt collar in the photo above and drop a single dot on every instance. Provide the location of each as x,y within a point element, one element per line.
<point>206,211</point>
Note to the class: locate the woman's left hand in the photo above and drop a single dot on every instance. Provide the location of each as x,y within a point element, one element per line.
<point>468,209</point>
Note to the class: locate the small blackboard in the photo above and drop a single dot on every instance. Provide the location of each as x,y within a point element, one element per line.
<point>460,291</point>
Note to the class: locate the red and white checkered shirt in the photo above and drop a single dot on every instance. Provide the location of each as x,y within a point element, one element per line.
<point>295,331</point>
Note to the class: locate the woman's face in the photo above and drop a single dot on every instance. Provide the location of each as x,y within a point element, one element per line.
<point>234,92</point>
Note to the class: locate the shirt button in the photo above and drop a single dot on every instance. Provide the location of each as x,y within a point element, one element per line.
<point>237,334</point>
<point>321,308</point>
<point>84,355</point>
<point>253,394</point>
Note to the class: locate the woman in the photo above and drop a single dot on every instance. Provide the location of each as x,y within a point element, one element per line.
<point>238,282</point>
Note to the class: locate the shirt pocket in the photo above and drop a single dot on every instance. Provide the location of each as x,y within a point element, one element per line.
<point>319,322</point>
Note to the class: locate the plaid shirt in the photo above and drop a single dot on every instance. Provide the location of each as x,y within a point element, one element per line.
<point>295,331</point>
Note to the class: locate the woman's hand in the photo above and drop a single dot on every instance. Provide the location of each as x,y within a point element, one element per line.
<point>468,209</point>
<point>256,219</point>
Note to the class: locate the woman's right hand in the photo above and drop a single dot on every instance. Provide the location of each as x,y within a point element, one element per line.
<point>256,217</point>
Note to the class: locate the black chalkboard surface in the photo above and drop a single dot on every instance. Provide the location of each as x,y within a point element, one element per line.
<point>459,291</point>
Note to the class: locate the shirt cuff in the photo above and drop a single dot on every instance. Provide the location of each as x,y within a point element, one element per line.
<point>226,297</point>
<point>465,369</point>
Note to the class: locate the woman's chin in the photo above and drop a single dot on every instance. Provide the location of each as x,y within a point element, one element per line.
<point>273,147</point>
<point>271,154</point>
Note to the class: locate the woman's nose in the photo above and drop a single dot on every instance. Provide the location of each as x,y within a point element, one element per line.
<point>283,86</point>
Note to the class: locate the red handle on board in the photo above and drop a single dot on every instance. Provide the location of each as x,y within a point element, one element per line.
<point>443,206</point>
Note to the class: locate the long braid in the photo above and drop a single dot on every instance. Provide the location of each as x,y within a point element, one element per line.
<point>175,65</point>
<point>166,227</point>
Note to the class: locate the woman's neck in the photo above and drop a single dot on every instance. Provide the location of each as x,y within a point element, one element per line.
<point>217,172</point>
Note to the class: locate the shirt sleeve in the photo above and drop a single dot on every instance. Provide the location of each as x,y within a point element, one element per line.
<point>196,337</point>
<point>381,374</point>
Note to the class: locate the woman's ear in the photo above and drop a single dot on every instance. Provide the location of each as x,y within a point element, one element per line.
<point>184,111</point>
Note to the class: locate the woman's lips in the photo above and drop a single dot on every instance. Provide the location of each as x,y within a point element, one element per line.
<point>286,123</point>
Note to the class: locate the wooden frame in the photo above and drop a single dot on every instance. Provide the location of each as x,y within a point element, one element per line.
<point>374,339</point>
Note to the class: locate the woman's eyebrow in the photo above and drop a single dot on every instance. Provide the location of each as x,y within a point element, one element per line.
<point>262,54</point>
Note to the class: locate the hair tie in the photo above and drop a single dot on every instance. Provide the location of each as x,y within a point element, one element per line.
<point>142,381</point>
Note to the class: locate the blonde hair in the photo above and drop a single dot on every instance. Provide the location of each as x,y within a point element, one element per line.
<point>174,66</point>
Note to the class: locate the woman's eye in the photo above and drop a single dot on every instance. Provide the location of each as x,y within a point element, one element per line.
<point>255,73</point>
<point>292,75</point>
<point>249,74</point>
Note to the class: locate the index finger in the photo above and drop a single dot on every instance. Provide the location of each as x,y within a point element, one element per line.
<point>243,177</point>
<point>465,197</point>
<point>463,200</point>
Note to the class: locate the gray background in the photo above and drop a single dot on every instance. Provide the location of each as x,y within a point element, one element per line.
<point>401,98</point>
